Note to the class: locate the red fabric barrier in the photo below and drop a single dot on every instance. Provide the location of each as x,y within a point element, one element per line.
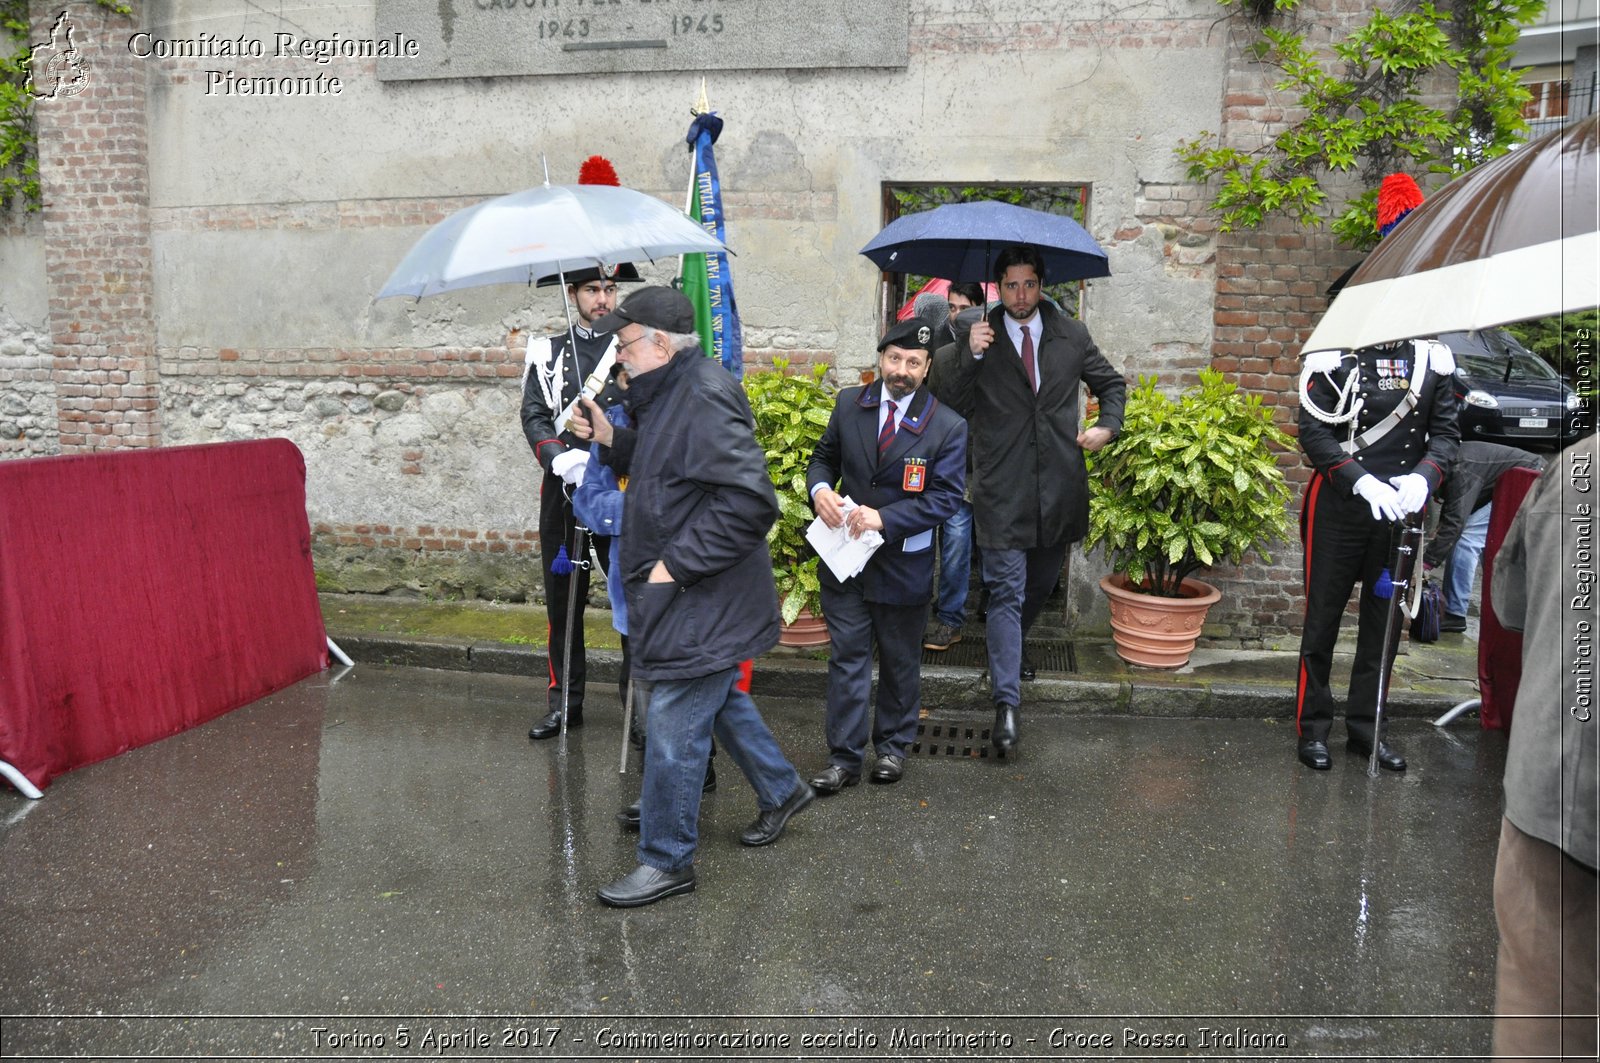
<point>144,592</point>
<point>1499,650</point>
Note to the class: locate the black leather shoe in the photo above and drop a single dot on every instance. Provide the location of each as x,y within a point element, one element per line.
<point>1314,754</point>
<point>1029,673</point>
<point>1450,624</point>
<point>832,779</point>
<point>550,726</point>
<point>645,885</point>
<point>888,769</point>
<point>1004,735</point>
<point>1388,759</point>
<point>769,825</point>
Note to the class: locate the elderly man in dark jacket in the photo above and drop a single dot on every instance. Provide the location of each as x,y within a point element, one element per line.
<point>1015,376</point>
<point>698,580</point>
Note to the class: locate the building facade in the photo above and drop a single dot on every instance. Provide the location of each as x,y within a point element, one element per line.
<point>226,188</point>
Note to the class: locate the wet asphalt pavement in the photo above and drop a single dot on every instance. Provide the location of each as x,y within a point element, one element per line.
<point>381,855</point>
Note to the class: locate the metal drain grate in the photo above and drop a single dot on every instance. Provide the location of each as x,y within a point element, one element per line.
<point>953,740</point>
<point>1047,655</point>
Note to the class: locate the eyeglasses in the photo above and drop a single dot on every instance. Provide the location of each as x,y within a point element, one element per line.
<point>625,344</point>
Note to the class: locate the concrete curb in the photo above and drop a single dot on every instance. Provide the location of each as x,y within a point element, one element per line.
<point>1148,694</point>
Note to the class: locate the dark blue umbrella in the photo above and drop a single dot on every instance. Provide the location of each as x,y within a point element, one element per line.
<point>960,241</point>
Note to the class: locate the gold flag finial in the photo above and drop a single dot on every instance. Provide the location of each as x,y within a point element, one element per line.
<point>702,105</point>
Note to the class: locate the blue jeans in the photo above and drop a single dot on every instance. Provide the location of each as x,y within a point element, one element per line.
<point>955,567</point>
<point>683,715</point>
<point>1464,562</point>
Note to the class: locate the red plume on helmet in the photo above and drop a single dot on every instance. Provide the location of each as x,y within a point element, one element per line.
<point>1397,197</point>
<point>597,170</point>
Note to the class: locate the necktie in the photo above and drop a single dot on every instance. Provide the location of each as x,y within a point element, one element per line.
<point>1027,357</point>
<point>886,436</point>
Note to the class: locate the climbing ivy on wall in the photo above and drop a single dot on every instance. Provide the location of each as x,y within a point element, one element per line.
<point>19,148</point>
<point>1373,106</point>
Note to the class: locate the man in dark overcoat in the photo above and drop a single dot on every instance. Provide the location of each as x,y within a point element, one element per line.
<point>900,456</point>
<point>698,580</point>
<point>1015,376</point>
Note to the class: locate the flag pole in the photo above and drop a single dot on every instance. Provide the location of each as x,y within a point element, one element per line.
<point>701,106</point>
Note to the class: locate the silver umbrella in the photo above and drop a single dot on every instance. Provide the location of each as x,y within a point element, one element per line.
<point>517,239</point>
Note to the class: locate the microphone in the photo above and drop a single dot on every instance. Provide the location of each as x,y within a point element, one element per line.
<point>932,309</point>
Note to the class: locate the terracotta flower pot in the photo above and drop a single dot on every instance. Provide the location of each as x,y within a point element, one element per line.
<point>1153,631</point>
<point>807,632</point>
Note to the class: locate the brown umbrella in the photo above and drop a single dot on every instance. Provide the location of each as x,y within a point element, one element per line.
<point>1516,238</point>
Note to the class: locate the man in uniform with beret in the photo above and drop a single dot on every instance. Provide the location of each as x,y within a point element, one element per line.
<point>555,369</point>
<point>898,458</point>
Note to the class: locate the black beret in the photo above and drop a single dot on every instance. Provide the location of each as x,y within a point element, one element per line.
<point>911,334</point>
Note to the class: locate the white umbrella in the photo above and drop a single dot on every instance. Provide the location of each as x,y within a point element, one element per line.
<point>552,229</point>
<point>1516,238</point>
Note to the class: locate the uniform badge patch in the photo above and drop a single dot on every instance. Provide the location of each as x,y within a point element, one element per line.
<point>915,477</point>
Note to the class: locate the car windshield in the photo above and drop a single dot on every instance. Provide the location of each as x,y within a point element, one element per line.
<point>1496,357</point>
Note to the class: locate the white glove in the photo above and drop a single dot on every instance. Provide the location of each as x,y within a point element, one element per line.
<point>570,465</point>
<point>1412,489</point>
<point>1384,500</point>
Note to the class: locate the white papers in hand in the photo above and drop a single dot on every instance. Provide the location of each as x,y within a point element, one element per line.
<point>845,556</point>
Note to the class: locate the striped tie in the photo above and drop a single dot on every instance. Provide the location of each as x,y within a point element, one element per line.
<point>886,436</point>
<point>1027,357</point>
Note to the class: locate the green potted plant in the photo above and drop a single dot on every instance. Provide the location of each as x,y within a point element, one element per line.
<point>1188,483</point>
<point>791,412</point>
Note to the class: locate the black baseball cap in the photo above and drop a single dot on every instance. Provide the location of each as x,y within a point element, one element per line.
<point>912,334</point>
<point>654,307</point>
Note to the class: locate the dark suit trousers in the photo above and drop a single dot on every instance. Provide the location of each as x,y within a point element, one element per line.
<point>1343,545</point>
<point>555,531</point>
<point>855,625</point>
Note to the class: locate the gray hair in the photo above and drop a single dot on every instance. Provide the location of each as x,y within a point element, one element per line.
<point>678,341</point>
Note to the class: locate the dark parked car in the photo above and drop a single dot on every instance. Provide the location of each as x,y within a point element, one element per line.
<point>1510,395</point>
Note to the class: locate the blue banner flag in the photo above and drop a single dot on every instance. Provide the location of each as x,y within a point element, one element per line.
<point>705,278</point>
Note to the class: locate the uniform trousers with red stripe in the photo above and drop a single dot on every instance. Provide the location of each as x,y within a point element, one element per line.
<point>555,531</point>
<point>1344,546</point>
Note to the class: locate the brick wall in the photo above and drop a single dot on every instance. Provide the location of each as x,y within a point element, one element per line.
<point>1271,285</point>
<point>96,219</point>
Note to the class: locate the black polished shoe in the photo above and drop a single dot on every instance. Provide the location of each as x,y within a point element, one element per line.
<point>1004,735</point>
<point>550,726</point>
<point>832,779</point>
<point>1388,759</point>
<point>1314,754</point>
<point>1451,624</point>
<point>769,825</point>
<point>888,769</point>
<point>1029,673</point>
<point>645,885</point>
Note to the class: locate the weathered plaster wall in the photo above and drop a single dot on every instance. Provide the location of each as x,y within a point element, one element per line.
<point>268,223</point>
<point>27,394</point>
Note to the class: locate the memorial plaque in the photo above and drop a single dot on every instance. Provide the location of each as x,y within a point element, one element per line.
<point>486,38</point>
